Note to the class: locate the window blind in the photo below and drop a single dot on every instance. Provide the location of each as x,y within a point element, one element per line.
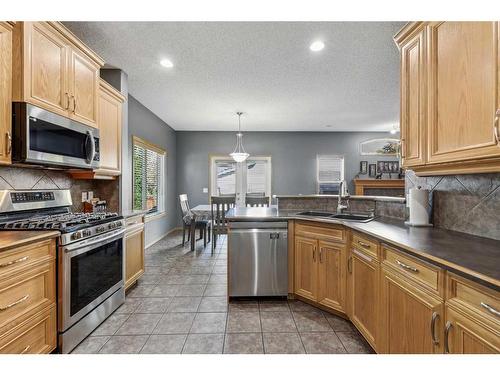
<point>256,177</point>
<point>226,177</point>
<point>330,168</point>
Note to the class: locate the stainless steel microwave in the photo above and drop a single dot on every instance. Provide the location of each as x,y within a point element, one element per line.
<point>41,137</point>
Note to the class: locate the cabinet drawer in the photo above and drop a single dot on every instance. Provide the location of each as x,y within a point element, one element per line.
<point>15,260</point>
<point>37,335</point>
<point>26,294</point>
<point>365,244</point>
<point>415,269</point>
<point>465,293</point>
<point>139,219</point>
<point>321,232</point>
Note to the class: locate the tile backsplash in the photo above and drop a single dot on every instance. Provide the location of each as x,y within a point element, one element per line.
<point>464,203</point>
<point>39,179</point>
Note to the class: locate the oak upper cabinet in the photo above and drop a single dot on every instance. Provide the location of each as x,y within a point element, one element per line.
<point>332,276</point>
<point>306,267</point>
<point>110,129</point>
<point>472,318</point>
<point>54,70</point>
<point>134,250</point>
<point>413,86</point>
<point>5,92</point>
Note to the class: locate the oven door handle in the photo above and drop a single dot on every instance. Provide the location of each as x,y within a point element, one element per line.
<point>84,246</point>
<point>90,140</point>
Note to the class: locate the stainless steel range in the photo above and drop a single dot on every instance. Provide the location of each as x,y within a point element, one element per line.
<point>90,282</point>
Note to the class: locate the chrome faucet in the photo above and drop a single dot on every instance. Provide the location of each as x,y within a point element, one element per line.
<point>342,194</point>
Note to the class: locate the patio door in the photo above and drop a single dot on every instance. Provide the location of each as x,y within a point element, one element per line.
<point>251,177</point>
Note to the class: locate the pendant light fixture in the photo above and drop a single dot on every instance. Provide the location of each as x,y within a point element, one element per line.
<point>239,155</point>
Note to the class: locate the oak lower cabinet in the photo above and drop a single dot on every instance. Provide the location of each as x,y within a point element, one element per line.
<point>28,319</point>
<point>412,318</point>
<point>319,268</point>
<point>5,92</point>
<point>134,250</point>
<point>450,97</point>
<point>364,293</point>
<point>54,70</point>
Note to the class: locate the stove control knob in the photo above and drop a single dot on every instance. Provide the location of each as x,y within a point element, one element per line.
<point>100,229</point>
<point>112,225</point>
<point>86,233</point>
<point>119,224</point>
<point>76,236</point>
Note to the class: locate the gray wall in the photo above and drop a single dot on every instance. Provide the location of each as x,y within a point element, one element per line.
<point>293,157</point>
<point>144,124</point>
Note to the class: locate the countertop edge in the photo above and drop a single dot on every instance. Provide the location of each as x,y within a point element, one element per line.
<point>379,198</point>
<point>40,236</point>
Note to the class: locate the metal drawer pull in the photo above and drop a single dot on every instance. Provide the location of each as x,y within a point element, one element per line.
<point>314,254</point>
<point>3,308</point>
<point>23,259</point>
<point>435,340</point>
<point>490,309</point>
<point>363,244</point>
<point>362,256</point>
<point>446,336</point>
<point>26,349</point>
<point>9,143</point>
<point>495,127</point>
<point>406,267</point>
<point>349,264</point>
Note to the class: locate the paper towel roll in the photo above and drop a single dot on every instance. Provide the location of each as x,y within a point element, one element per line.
<point>419,214</point>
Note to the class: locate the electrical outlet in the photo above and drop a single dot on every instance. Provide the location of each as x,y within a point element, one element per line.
<point>85,196</point>
<point>91,195</point>
<point>205,190</point>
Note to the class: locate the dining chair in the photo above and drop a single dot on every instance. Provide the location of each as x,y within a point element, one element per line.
<point>191,223</point>
<point>256,201</point>
<point>219,207</point>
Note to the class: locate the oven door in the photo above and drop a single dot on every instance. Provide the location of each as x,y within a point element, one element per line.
<point>89,272</point>
<point>43,137</point>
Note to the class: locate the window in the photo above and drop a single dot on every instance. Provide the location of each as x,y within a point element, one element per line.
<point>148,176</point>
<point>252,177</point>
<point>330,171</point>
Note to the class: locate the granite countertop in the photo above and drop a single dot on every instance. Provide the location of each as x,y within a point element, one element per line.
<point>476,257</point>
<point>379,198</point>
<point>131,213</point>
<point>16,238</point>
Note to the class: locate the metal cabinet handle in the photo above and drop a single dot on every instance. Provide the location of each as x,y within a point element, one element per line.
<point>67,100</point>
<point>23,259</point>
<point>402,148</point>
<point>490,309</point>
<point>349,264</point>
<point>314,254</point>
<point>26,349</point>
<point>495,127</point>
<point>406,267</point>
<point>3,308</point>
<point>9,142</point>
<point>74,103</point>
<point>446,337</point>
<point>435,316</point>
<point>363,244</point>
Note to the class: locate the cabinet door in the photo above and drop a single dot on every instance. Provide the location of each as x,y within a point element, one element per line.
<point>84,88</point>
<point>110,123</point>
<point>306,267</point>
<point>466,335</point>
<point>412,320</point>
<point>365,295</point>
<point>463,90</point>
<point>332,282</point>
<point>413,116</point>
<point>5,92</point>
<point>46,70</point>
<point>134,259</point>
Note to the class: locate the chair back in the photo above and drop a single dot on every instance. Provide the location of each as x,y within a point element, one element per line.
<point>219,207</point>
<point>186,211</point>
<point>257,201</point>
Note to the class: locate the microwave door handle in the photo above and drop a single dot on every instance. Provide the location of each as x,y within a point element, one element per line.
<point>90,157</point>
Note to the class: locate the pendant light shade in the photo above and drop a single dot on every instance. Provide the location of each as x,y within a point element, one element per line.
<point>239,155</point>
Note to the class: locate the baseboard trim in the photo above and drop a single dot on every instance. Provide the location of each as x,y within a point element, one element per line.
<point>162,237</point>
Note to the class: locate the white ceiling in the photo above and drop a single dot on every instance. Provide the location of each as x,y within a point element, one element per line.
<point>264,69</point>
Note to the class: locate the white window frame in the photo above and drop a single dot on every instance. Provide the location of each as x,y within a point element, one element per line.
<point>162,178</point>
<point>342,172</point>
<point>241,176</point>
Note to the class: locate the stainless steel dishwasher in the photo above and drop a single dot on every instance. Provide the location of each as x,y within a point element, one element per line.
<point>258,258</point>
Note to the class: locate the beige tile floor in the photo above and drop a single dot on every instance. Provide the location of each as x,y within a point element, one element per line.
<point>180,306</point>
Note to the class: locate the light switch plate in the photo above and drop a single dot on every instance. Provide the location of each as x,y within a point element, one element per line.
<point>91,195</point>
<point>205,190</point>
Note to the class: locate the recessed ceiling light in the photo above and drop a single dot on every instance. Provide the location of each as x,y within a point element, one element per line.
<point>317,46</point>
<point>167,63</point>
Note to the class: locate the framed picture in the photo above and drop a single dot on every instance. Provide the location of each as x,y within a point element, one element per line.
<point>363,167</point>
<point>372,170</point>
<point>380,167</point>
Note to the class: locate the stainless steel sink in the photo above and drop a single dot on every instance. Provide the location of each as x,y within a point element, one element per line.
<point>362,218</point>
